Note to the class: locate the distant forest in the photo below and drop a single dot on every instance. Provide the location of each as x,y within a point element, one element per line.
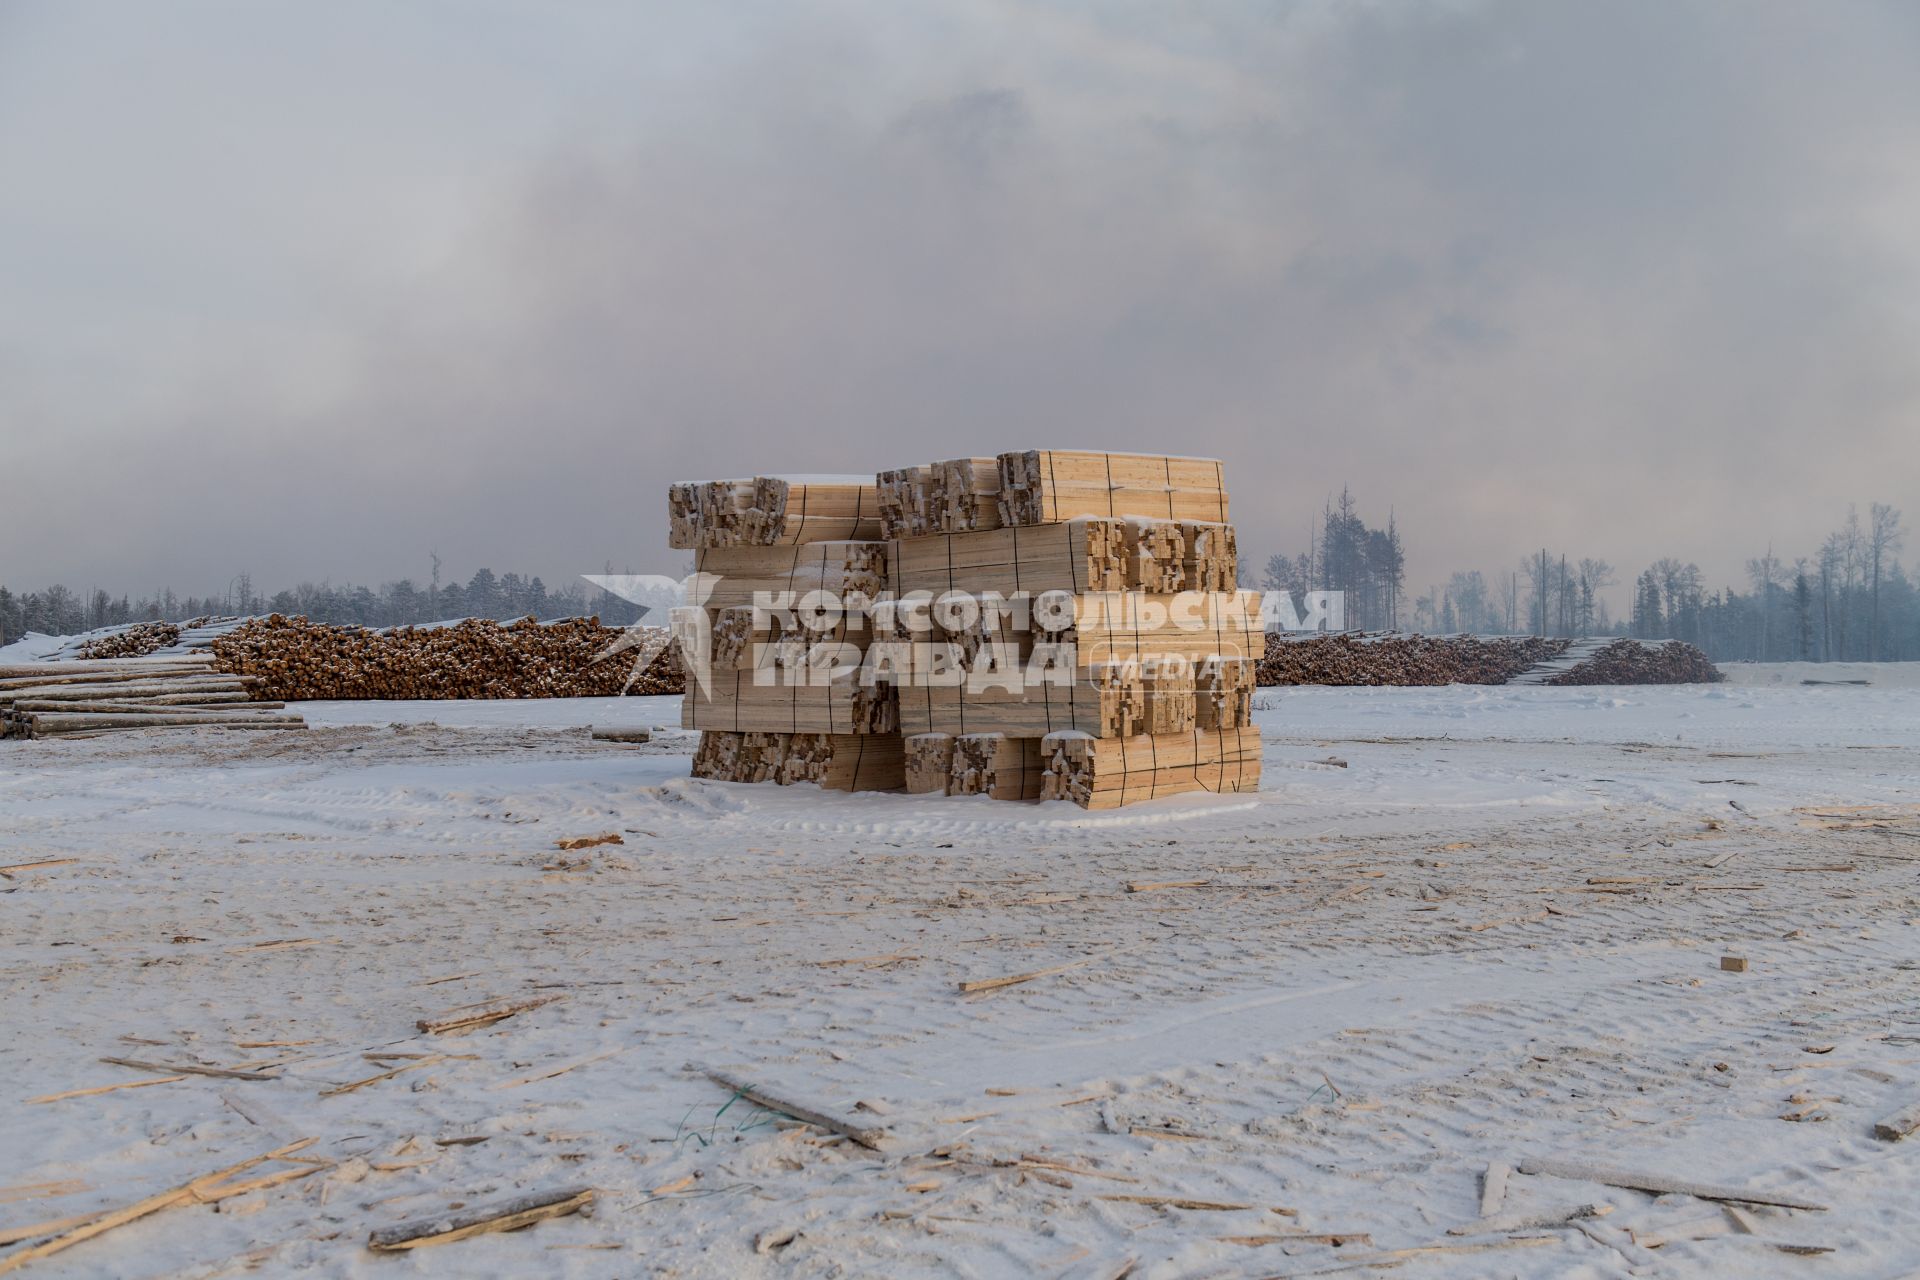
<point>60,611</point>
<point>1851,600</point>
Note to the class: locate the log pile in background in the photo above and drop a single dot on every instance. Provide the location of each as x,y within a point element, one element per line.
<point>292,659</point>
<point>136,641</point>
<point>58,699</point>
<point>1353,658</point>
<point>1391,658</point>
<point>1627,661</point>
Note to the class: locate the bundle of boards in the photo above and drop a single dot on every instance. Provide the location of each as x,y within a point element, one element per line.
<point>58,699</point>
<point>1131,679</point>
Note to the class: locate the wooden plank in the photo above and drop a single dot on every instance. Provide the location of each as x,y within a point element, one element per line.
<point>105,1088</point>
<point>866,1136</point>
<point>190,1068</point>
<point>1900,1124</point>
<point>510,1214</point>
<point>1661,1184</point>
<point>197,1190</point>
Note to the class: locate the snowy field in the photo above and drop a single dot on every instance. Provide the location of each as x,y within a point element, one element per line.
<point>1493,937</point>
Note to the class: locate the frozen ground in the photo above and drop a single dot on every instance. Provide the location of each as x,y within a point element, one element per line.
<point>1494,936</point>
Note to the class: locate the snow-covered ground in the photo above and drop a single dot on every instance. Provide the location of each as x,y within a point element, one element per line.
<point>1494,936</point>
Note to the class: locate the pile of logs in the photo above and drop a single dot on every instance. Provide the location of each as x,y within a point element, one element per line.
<point>136,641</point>
<point>1153,650</point>
<point>65,699</point>
<point>292,659</point>
<point>1352,658</point>
<point>1632,662</point>
<point>1393,658</point>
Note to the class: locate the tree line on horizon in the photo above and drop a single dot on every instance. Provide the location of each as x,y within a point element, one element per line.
<point>57,610</point>
<point>1852,600</point>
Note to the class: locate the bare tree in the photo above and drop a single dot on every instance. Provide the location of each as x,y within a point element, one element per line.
<point>1595,576</point>
<point>1884,538</point>
<point>1766,574</point>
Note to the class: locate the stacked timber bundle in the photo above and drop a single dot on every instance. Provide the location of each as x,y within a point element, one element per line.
<point>1093,602</point>
<point>56,699</point>
<point>292,659</point>
<point>932,628</point>
<point>768,511</point>
<point>1105,773</point>
<point>836,761</point>
<point>1048,486</point>
<point>1349,658</point>
<point>956,496</point>
<point>136,641</point>
<point>779,620</point>
<point>784,630</point>
<point>1631,662</point>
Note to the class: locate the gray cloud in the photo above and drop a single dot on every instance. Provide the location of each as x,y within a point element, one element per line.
<point>1630,280</point>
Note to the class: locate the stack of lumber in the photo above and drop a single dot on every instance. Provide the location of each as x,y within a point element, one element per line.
<point>1048,486</point>
<point>61,699</point>
<point>785,629</point>
<point>887,633</point>
<point>1389,658</point>
<point>1151,651</point>
<point>292,659</point>
<point>1040,487</point>
<point>768,511</point>
<point>1631,662</point>
<point>779,620</point>
<point>1105,773</point>
<point>837,761</point>
<point>955,496</point>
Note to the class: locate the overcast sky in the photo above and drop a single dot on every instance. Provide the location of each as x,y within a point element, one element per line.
<point>309,290</point>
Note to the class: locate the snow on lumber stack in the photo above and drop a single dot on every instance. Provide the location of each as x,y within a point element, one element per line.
<point>768,511</point>
<point>292,659</point>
